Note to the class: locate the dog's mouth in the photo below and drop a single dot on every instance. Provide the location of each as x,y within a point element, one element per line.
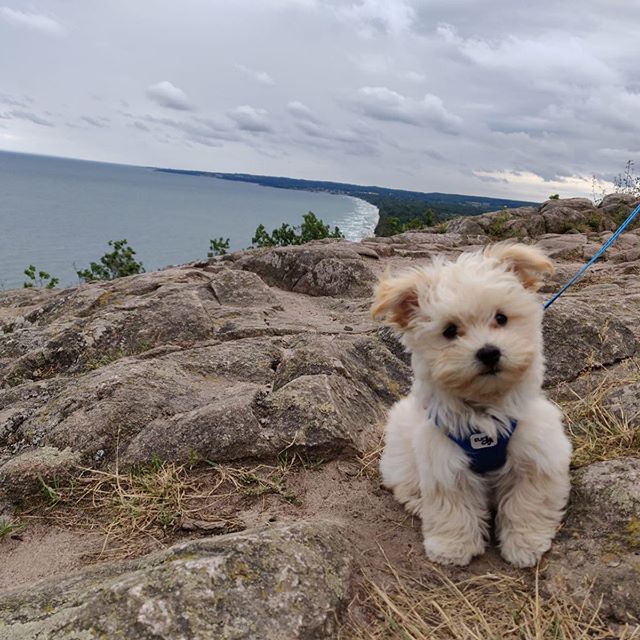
<point>491,371</point>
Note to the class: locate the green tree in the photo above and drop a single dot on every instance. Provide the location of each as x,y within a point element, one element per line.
<point>117,264</point>
<point>312,228</point>
<point>39,278</point>
<point>555,196</point>
<point>218,247</point>
<point>261,237</point>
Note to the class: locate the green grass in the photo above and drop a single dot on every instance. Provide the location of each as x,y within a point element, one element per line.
<point>9,528</point>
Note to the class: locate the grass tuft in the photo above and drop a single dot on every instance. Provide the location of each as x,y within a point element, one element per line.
<point>598,432</point>
<point>154,502</point>
<point>492,606</point>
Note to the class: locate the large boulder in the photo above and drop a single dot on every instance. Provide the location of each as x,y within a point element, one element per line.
<point>333,269</point>
<point>290,581</point>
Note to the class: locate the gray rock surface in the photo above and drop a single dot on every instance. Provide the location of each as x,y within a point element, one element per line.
<point>271,350</point>
<point>597,553</point>
<point>268,584</point>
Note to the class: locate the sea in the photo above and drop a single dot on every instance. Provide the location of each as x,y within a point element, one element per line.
<point>59,214</point>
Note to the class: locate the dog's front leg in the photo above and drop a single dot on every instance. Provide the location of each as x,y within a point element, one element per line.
<point>529,512</point>
<point>454,521</point>
<point>533,491</point>
<point>454,508</point>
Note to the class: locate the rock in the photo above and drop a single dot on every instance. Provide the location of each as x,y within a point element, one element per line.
<point>316,269</point>
<point>280,582</point>
<point>241,288</point>
<point>578,337</point>
<point>617,206</point>
<point>247,398</point>
<point>569,246</point>
<point>597,553</point>
<point>579,205</point>
<point>26,474</point>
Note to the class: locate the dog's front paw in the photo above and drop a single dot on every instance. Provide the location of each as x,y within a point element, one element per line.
<point>524,549</point>
<point>445,551</point>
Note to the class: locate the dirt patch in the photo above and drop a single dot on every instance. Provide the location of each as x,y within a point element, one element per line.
<point>41,551</point>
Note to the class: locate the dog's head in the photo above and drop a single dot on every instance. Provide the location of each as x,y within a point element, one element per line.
<point>473,325</point>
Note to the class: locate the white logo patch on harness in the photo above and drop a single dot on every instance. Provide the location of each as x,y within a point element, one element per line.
<point>481,441</point>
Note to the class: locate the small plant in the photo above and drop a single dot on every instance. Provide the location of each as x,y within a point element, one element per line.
<point>51,493</point>
<point>440,228</point>
<point>555,196</point>
<point>218,247</point>
<point>312,228</point>
<point>595,222</point>
<point>497,228</point>
<point>39,278</point>
<point>8,529</point>
<point>628,182</point>
<point>117,264</point>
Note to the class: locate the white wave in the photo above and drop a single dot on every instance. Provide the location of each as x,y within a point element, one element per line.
<point>361,222</point>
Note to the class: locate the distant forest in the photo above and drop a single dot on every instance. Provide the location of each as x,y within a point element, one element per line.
<point>399,209</point>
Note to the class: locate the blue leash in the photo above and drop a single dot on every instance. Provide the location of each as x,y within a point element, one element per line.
<point>602,249</point>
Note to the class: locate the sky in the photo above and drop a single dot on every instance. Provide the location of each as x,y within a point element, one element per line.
<point>500,98</point>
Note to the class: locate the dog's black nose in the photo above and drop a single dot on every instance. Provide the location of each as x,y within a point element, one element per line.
<point>489,355</point>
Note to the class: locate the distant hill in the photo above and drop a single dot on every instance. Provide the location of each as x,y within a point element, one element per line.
<point>399,208</point>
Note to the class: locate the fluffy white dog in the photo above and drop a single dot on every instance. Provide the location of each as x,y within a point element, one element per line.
<point>476,433</point>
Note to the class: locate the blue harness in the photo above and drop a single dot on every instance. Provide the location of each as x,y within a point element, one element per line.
<point>484,452</point>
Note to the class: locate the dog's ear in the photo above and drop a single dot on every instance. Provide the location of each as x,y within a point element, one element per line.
<point>396,298</point>
<point>527,262</point>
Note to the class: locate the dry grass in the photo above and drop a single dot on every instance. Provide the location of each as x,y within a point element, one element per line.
<point>154,503</point>
<point>370,459</point>
<point>596,431</point>
<point>485,607</point>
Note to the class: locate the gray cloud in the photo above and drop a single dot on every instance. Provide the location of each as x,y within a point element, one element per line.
<point>300,111</point>
<point>251,119</point>
<point>382,103</point>
<point>31,21</point>
<point>97,121</point>
<point>168,95</point>
<point>15,101</point>
<point>19,114</point>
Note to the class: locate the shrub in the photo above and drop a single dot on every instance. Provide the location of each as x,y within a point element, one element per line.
<point>117,264</point>
<point>39,278</point>
<point>497,228</point>
<point>218,247</point>
<point>555,196</point>
<point>312,228</point>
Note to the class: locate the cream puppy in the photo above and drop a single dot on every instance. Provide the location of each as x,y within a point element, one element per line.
<point>476,432</point>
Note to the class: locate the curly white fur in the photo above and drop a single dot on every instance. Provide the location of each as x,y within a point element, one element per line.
<point>427,471</point>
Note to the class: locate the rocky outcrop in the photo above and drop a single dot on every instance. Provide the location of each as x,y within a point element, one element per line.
<point>272,352</point>
<point>279,582</point>
<point>570,215</point>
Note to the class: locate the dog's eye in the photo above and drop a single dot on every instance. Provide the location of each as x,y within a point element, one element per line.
<point>501,319</point>
<point>451,331</point>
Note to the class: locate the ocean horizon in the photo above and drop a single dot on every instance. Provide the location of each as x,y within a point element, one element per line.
<point>59,214</point>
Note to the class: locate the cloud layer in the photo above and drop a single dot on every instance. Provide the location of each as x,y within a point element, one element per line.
<point>493,98</point>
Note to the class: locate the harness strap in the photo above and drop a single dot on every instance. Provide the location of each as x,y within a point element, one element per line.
<point>484,452</point>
